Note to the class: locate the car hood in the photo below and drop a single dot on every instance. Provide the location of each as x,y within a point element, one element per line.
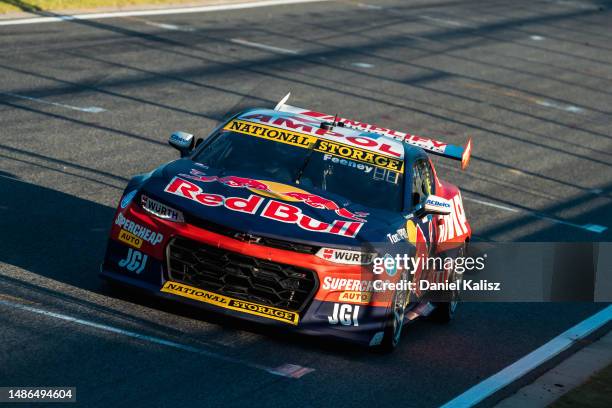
<point>265,208</point>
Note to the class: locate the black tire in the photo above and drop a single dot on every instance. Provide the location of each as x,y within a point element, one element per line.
<point>445,311</point>
<point>395,321</point>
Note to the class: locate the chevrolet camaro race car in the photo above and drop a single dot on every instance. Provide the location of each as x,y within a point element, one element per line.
<point>281,215</point>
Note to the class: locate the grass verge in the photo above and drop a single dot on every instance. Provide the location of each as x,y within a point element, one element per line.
<point>595,393</point>
<point>11,6</point>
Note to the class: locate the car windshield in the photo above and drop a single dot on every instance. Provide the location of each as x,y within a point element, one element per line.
<point>361,183</point>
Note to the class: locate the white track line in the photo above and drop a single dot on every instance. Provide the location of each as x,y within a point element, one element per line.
<point>587,227</point>
<point>180,10</point>
<point>286,370</point>
<point>170,27</point>
<point>531,361</point>
<point>88,109</point>
<point>263,46</point>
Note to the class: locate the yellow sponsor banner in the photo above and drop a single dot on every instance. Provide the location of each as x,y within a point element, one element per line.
<point>361,155</point>
<point>230,303</point>
<point>271,133</point>
<point>355,297</point>
<point>130,239</point>
<point>321,145</point>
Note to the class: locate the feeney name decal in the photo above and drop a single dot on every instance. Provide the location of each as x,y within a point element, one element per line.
<point>333,148</point>
<point>226,302</point>
<point>274,210</point>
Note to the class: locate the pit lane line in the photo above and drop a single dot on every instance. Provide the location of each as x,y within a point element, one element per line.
<point>286,370</point>
<point>179,10</point>
<point>532,361</point>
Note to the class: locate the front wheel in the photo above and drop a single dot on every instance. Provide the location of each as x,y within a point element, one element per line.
<point>395,321</point>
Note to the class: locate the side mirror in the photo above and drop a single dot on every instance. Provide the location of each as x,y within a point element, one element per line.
<point>182,141</point>
<point>433,205</point>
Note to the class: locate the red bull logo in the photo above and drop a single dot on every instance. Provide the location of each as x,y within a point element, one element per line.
<point>281,191</point>
<point>272,209</point>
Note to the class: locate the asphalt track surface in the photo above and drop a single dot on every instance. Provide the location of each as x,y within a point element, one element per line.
<point>531,82</point>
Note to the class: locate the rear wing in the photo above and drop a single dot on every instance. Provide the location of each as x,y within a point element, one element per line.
<point>433,146</point>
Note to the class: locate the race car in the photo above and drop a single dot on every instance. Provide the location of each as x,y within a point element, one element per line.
<point>289,217</point>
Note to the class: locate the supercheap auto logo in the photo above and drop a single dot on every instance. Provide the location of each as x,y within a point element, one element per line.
<point>321,145</point>
<point>272,209</point>
<point>226,302</point>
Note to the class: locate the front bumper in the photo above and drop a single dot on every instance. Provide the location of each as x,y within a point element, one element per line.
<point>144,265</point>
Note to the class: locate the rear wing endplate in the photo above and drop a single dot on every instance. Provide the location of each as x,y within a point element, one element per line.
<point>433,146</point>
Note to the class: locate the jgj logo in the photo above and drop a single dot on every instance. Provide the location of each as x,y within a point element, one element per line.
<point>135,261</point>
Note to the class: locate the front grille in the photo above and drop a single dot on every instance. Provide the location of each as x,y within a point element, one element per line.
<point>240,276</point>
<point>265,241</point>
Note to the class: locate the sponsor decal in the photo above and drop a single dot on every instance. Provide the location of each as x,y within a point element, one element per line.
<point>453,225</point>
<point>300,124</point>
<point>271,133</point>
<point>182,139</point>
<point>127,199</point>
<point>437,203</point>
<point>346,315</point>
<point>161,210</point>
<point>273,210</point>
<point>279,191</point>
<point>135,261</point>
<point>362,155</point>
<point>346,284</point>
<point>348,163</point>
<point>355,297</point>
<point>138,230</point>
<point>399,235</point>
<point>130,239</point>
<point>334,148</point>
<point>424,142</point>
<point>226,302</point>
<point>346,257</point>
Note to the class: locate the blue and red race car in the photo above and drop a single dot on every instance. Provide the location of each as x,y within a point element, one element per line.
<point>279,217</point>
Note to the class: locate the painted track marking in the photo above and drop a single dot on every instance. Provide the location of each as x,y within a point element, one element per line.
<point>180,10</point>
<point>263,46</point>
<point>88,109</point>
<point>285,370</point>
<point>531,361</point>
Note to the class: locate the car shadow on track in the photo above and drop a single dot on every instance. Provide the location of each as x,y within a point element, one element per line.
<point>62,237</point>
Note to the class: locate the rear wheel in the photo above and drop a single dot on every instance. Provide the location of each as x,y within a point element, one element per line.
<point>445,311</point>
